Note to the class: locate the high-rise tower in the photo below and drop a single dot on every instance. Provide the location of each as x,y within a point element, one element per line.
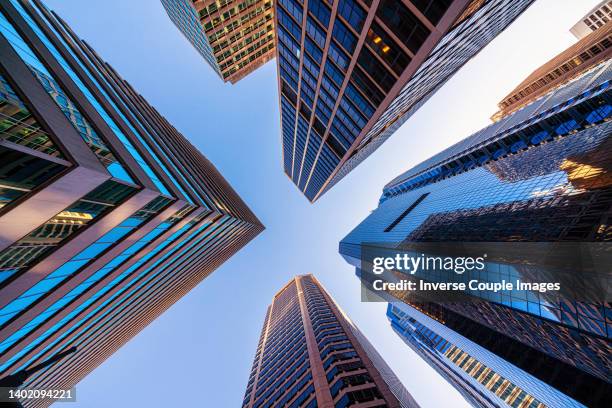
<point>234,37</point>
<point>351,72</point>
<point>543,174</point>
<point>311,355</point>
<point>483,378</point>
<point>593,20</point>
<point>108,215</point>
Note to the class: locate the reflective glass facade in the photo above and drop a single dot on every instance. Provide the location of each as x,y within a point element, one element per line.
<point>540,174</point>
<point>108,214</point>
<point>310,355</point>
<point>483,378</point>
<point>352,71</point>
<point>234,37</point>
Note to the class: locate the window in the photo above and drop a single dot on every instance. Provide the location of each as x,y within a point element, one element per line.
<point>379,73</point>
<point>320,11</point>
<point>289,24</point>
<point>367,87</point>
<point>315,32</point>
<point>293,8</point>
<point>313,50</point>
<point>406,212</point>
<point>387,49</point>
<point>352,13</point>
<point>344,36</point>
<point>403,23</point>
<point>338,56</point>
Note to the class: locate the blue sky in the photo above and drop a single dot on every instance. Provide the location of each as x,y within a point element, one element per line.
<point>200,351</point>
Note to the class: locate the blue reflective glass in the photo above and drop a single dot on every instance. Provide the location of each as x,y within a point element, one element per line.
<point>146,141</point>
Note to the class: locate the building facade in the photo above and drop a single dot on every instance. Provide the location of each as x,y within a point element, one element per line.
<point>541,174</point>
<point>351,72</point>
<point>234,37</point>
<point>593,20</point>
<point>593,48</point>
<point>107,214</point>
<point>484,379</point>
<point>311,355</point>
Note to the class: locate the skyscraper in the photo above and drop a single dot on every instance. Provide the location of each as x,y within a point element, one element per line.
<point>107,214</point>
<point>311,355</point>
<point>351,72</point>
<point>542,173</point>
<point>593,20</point>
<point>483,378</point>
<point>586,53</point>
<point>235,38</point>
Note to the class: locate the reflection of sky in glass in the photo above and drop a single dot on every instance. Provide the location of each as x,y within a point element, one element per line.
<point>516,187</point>
<point>237,128</point>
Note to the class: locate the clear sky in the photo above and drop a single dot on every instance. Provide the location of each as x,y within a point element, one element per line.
<point>199,353</point>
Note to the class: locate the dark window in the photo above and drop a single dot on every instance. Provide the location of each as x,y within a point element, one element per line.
<point>432,9</point>
<point>406,212</point>
<point>379,73</point>
<point>403,23</point>
<point>318,126</point>
<point>336,146</point>
<point>367,87</point>
<point>288,92</point>
<point>387,49</point>
<point>305,111</point>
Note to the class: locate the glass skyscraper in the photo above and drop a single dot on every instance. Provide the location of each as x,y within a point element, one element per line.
<point>108,215</point>
<point>351,72</point>
<point>311,355</point>
<point>234,37</point>
<point>483,378</point>
<point>540,174</point>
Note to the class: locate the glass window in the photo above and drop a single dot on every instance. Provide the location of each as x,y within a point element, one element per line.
<point>409,29</point>
<point>334,73</point>
<point>313,50</point>
<point>315,32</point>
<point>387,49</point>
<point>31,248</point>
<point>344,36</point>
<point>367,87</point>
<point>289,24</point>
<point>338,56</point>
<point>293,8</point>
<point>320,11</point>
<point>379,73</point>
<point>352,13</point>
<point>432,9</point>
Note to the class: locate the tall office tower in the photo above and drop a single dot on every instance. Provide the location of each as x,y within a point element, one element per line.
<point>108,215</point>
<point>311,355</point>
<point>234,37</point>
<point>589,51</point>
<point>593,20</point>
<point>540,174</point>
<point>483,378</point>
<point>351,72</point>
